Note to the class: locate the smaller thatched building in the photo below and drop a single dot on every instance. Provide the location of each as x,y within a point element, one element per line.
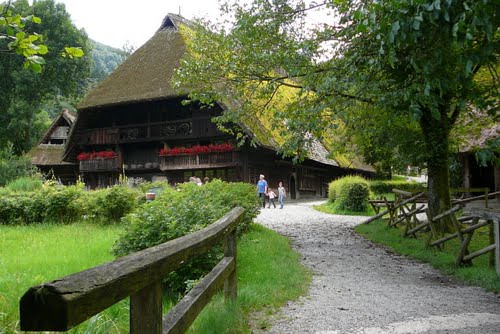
<point>47,156</point>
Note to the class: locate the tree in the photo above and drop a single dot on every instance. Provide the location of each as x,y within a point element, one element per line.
<point>63,73</point>
<point>398,61</point>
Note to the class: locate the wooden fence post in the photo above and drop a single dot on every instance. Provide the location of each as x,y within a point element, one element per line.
<point>231,283</point>
<point>496,224</point>
<point>146,310</point>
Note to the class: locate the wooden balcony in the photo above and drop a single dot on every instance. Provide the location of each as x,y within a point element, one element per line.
<point>142,132</point>
<point>100,165</point>
<point>200,161</point>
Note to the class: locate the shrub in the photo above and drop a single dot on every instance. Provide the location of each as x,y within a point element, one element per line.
<point>62,205</point>
<point>111,204</point>
<point>379,187</point>
<point>349,193</point>
<point>176,213</point>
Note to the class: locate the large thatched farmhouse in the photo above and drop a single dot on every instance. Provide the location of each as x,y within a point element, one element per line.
<point>135,123</point>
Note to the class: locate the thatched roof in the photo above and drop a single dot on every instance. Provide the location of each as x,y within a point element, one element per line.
<point>47,155</point>
<point>145,74</point>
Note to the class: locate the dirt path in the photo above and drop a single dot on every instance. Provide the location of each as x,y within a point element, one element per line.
<point>361,288</point>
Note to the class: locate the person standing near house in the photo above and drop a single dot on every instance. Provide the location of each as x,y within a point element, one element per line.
<point>262,189</point>
<point>281,194</point>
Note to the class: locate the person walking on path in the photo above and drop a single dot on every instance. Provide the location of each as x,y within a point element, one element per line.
<point>262,189</point>
<point>272,196</point>
<point>281,194</point>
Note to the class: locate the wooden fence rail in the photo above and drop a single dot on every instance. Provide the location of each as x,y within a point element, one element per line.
<point>64,303</point>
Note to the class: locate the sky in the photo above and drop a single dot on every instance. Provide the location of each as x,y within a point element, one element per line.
<point>131,22</point>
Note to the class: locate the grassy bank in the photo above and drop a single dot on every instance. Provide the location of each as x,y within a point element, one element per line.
<point>329,207</point>
<point>269,274</point>
<point>479,274</point>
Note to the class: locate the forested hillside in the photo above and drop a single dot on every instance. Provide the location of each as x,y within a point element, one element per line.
<point>104,60</point>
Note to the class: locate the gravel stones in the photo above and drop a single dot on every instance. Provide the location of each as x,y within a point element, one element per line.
<point>359,287</point>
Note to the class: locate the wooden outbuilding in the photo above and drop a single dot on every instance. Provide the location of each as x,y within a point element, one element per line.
<point>134,123</point>
<point>47,156</point>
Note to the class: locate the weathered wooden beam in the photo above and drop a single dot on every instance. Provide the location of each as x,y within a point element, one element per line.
<point>409,214</point>
<point>417,228</point>
<point>479,252</point>
<point>178,320</point>
<point>146,310</point>
<point>381,214</point>
<point>446,213</point>
<point>61,304</point>
<point>402,192</point>
<point>231,283</point>
<point>464,231</point>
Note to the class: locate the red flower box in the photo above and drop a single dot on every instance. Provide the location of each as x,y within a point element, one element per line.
<point>96,155</point>
<point>197,149</point>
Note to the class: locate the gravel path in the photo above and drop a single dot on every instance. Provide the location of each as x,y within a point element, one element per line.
<point>362,288</point>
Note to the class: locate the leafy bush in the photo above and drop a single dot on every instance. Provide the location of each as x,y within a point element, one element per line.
<point>62,203</point>
<point>111,204</point>
<point>379,187</point>
<point>55,203</point>
<point>349,193</point>
<point>176,213</point>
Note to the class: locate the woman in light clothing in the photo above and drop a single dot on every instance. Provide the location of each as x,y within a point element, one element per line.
<point>281,194</point>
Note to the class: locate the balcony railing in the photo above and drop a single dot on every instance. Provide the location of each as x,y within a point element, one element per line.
<point>139,132</point>
<point>204,160</point>
<point>100,165</point>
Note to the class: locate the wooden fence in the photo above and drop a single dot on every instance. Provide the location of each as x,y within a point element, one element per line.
<point>64,303</point>
<point>404,209</point>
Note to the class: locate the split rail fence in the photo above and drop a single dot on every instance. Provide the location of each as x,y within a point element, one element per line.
<point>407,206</point>
<point>64,303</point>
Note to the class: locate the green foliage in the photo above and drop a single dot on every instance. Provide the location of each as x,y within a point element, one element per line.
<point>12,166</point>
<point>177,213</point>
<point>25,201</point>
<point>25,183</point>
<point>104,60</point>
<point>397,74</point>
<point>25,93</point>
<point>111,204</point>
<point>349,193</point>
<point>379,187</point>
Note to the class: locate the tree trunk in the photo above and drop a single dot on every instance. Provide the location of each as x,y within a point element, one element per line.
<point>436,135</point>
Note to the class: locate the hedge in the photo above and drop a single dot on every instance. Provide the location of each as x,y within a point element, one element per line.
<point>349,193</point>
<point>379,187</point>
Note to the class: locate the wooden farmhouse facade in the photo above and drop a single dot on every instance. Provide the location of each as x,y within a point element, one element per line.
<point>134,123</point>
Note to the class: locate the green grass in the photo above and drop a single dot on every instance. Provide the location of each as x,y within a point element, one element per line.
<point>31,255</point>
<point>269,274</point>
<point>329,207</point>
<point>480,274</point>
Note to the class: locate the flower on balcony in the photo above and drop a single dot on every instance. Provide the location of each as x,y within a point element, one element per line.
<point>96,155</point>
<point>197,149</point>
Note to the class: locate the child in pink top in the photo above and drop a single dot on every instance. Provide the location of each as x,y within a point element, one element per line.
<point>272,196</point>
